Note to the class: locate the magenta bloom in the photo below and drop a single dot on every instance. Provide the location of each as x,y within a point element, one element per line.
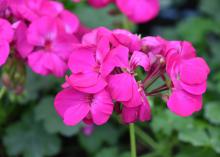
<point>74,106</point>
<point>188,74</point>
<point>6,36</point>
<point>34,9</point>
<point>52,47</point>
<point>139,11</point>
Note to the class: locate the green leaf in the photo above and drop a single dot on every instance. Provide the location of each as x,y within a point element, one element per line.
<point>212,111</point>
<point>195,29</point>
<point>215,138</point>
<point>211,8</point>
<point>97,17</point>
<point>187,151</point>
<point>45,112</point>
<point>166,122</point>
<point>102,134</point>
<point>107,152</point>
<point>29,139</point>
<point>196,134</point>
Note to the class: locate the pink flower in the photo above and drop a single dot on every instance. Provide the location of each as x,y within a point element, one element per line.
<point>74,106</point>
<point>188,74</point>
<point>6,36</point>
<point>34,9</point>
<point>139,11</point>
<point>52,47</point>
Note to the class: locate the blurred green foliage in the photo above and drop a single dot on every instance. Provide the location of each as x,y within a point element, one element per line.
<point>30,127</point>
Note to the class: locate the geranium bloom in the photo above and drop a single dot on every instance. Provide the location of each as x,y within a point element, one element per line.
<point>139,10</point>
<point>188,74</point>
<point>34,9</point>
<point>74,106</point>
<point>6,36</point>
<point>52,47</point>
<point>106,61</point>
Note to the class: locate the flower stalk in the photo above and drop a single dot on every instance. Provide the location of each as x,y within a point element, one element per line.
<point>132,140</point>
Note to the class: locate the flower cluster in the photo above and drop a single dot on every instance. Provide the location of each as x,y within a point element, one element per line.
<point>103,77</point>
<point>40,32</point>
<point>138,11</point>
<point>103,63</point>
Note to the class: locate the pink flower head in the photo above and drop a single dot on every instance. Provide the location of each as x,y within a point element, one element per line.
<point>74,106</point>
<point>6,36</point>
<point>188,74</point>
<point>52,47</point>
<point>99,3</point>
<point>139,11</point>
<point>34,9</point>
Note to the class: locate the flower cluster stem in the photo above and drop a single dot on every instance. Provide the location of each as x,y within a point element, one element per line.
<point>132,140</point>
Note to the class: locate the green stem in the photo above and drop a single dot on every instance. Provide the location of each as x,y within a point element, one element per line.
<point>146,138</point>
<point>2,92</point>
<point>132,140</point>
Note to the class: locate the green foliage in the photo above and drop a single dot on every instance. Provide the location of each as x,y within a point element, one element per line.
<point>105,134</point>
<point>28,138</point>
<point>212,112</point>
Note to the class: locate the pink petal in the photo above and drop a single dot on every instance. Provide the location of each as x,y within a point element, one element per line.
<point>120,86</point>
<point>103,48</point>
<point>22,45</point>
<point>82,60</point>
<point>50,8</point>
<point>101,107</point>
<point>138,58</point>
<point>131,8</point>
<point>71,105</point>
<point>63,45</point>
<point>99,3</point>
<point>42,30</point>
<point>127,39</point>
<point>4,51</point>
<point>6,30</point>
<point>55,64</point>
<point>194,71</point>
<point>197,89</point>
<point>130,114</point>
<point>100,85</point>
<point>45,63</point>
<point>117,57</point>
<point>84,80</point>
<point>69,21</point>
<point>145,111</point>
<point>136,98</point>
<point>184,104</point>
